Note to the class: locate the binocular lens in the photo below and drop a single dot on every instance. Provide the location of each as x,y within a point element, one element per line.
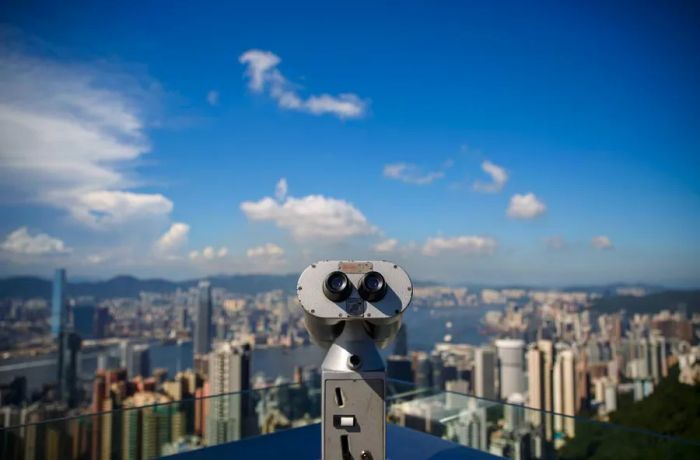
<point>372,287</point>
<point>337,287</point>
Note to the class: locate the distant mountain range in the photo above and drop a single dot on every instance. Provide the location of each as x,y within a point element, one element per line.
<point>128,286</point>
<point>25,287</point>
<point>652,303</point>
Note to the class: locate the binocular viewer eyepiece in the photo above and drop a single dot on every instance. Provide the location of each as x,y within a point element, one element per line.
<point>372,287</point>
<point>332,292</point>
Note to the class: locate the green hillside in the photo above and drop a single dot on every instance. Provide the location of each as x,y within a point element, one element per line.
<point>672,410</point>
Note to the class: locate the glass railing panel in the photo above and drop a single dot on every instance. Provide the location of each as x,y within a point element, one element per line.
<point>146,430</point>
<point>515,431</point>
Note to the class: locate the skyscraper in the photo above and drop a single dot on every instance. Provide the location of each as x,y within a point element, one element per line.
<point>230,412</point>
<point>202,332</point>
<point>59,306</point>
<point>84,320</point>
<point>510,365</point>
<point>138,361</point>
<point>422,369</point>
<point>399,368</point>
<point>485,371</point>
<point>539,366</point>
<point>535,384</point>
<point>68,342</point>
<point>564,385</point>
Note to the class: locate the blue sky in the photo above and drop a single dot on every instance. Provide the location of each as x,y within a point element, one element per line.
<point>549,144</point>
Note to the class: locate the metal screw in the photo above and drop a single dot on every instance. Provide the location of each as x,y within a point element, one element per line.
<point>365,455</point>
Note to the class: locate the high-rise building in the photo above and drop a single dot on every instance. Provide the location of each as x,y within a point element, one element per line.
<point>230,413</point>
<point>183,318</point>
<point>139,361</point>
<point>657,350</point>
<point>485,373</point>
<point>510,365</point>
<point>59,317</point>
<point>147,427</point>
<point>539,365</point>
<point>102,320</point>
<point>438,370</point>
<point>535,384</point>
<point>59,304</point>
<point>68,374</point>
<point>399,368</point>
<point>202,332</point>
<point>422,369</point>
<point>564,385</point>
<point>84,320</point>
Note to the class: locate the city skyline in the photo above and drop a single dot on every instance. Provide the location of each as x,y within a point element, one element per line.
<point>470,145</point>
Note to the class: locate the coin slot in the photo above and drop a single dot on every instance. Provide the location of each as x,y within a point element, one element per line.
<point>339,397</point>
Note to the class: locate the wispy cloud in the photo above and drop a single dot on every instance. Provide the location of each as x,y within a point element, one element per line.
<point>281,189</point>
<point>498,175</point>
<point>601,242</point>
<point>388,245</point>
<point>410,173</point>
<point>65,140</point>
<point>209,253</point>
<point>465,244</point>
<point>213,98</point>
<point>311,217</point>
<point>525,206</point>
<point>21,241</point>
<point>264,76</point>
<point>267,257</point>
<point>266,250</point>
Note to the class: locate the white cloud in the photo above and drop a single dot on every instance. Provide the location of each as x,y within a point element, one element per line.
<point>22,242</point>
<point>281,189</point>
<point>526,206</point>
<point>266,250</point>
<point>465,244</point>
<point>103,207</point>
<point>601,242</point>
<point>311,217</point>
<point>387,245</point>
<point>260,68</point>
<point>499,177</point>
<point>209,253</point>
<point>65,140</point>
<point>213,98</point>
<point>411,174</point>
<point>268,257</point>
<point>263,75</point>
<point>173,239</point>
<point>96,259</point>
<point>555,242</point>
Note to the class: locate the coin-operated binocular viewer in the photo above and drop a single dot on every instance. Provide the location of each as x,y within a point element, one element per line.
<point>350,308</point>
